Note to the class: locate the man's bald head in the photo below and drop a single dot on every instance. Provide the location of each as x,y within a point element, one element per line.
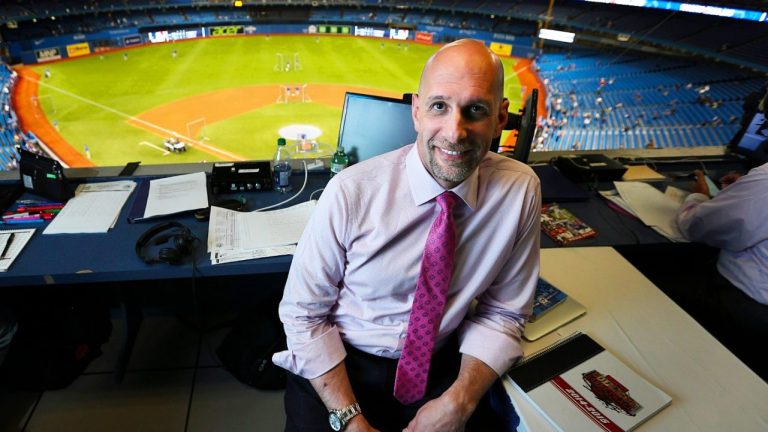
<point>468,53</point>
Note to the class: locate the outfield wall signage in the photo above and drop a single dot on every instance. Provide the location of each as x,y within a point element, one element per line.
<point>79,49</point>
<point>172,35</point>
<point>226,30</point>
<point>333,29</point>
<point>47,54</point>
<point>399,34</point>
<point>369,31</point>
<point>132,40</point>
<point>425,37</point>
<point>501,48</point>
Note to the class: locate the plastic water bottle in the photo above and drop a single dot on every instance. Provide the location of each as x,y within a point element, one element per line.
<point>281,167</point>
<point>339,161</point>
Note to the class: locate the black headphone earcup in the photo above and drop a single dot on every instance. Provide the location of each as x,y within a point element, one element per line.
<point>170,255</point>
<point>184,243</point>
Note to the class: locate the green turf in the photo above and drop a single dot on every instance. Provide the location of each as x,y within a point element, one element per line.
<point>91,98</point>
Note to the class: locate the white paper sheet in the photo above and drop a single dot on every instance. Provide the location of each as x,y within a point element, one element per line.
<point>20,239</point>
<point>91,212</point>
<point>652,207</point>
<point>229,230</point>
<point>176,194</point>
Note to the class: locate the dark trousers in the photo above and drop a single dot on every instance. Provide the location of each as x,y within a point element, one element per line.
<point>373,380</point>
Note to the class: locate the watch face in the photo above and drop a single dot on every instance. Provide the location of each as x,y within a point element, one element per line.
<point>335,421</point>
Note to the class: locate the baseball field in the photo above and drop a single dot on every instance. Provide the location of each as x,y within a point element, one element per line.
<point>226,98</point>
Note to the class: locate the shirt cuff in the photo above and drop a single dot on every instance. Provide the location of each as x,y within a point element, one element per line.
<point>696,197</point>
<point>498,351</point>
<point>314,358</point>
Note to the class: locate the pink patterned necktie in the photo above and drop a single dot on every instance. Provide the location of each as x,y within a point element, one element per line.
<point>428,304</point>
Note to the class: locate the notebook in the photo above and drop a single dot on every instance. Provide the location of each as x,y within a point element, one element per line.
<point>555,187</point>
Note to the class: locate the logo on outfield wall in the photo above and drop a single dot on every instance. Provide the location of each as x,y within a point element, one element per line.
<point>423,37</point>
<point>131,40</point>
<point>47,54</point>
<point>78,49</point>
<point>501,48</point>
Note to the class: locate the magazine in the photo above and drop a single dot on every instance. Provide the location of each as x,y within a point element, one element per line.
<point>563,226</point>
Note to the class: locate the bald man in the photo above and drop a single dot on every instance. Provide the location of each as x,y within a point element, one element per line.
<point>351,286</point>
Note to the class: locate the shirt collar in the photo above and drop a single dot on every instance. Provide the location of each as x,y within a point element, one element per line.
<point>424,188</point>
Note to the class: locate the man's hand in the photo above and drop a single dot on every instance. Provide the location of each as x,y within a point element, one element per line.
<point>455,406</point>
<point>441,414</point>
<point>700,186</point>
<point>729,178</point>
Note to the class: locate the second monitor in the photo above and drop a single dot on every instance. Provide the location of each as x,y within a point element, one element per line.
<point>373,125</point>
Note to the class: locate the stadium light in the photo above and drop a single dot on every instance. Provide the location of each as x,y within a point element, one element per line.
<point>237,3</point>
<point>557,35</point>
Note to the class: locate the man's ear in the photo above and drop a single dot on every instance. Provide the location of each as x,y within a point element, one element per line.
<point>503,116</point>
<point>415,113</point>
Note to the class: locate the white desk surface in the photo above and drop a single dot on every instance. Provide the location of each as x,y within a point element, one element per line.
<point>711,389</point>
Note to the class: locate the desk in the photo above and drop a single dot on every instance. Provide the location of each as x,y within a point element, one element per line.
<point>111,257</point>
<point>711,389</point>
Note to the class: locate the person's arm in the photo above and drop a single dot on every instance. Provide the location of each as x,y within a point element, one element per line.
<point>734,220</point>
<point>453,408</point>
<point>335,390</point>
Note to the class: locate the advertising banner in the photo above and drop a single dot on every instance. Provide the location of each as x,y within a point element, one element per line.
<point>501,48</point>
<point>47,54</point>
<point>132,40</point>
<point>78,49</point>
<point>423,37</point>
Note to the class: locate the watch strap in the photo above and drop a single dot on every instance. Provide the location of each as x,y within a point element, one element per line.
<point>347,413</point>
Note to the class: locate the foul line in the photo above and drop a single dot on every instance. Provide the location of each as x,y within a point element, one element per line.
<point>158,148</point>
<point>189,140</point>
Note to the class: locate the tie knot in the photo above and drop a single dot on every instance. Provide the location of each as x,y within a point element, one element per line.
<point>447,200</point>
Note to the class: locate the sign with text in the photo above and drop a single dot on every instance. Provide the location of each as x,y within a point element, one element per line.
<point>78,49</point>
<point>425,37</point>
<point>47,54</point>
<point>132,40</point>
<point>501,48</point>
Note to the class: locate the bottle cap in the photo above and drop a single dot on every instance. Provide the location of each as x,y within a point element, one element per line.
<point>281,141</point>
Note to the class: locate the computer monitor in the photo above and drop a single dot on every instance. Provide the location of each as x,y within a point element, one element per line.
<point>752,141</point>
<point>373,125</point>
<point>525,125</point>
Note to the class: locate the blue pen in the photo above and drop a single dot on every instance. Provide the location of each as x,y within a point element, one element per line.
<point>22,221</point>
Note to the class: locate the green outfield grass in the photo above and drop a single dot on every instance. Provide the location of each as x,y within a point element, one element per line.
<point>91,98</point>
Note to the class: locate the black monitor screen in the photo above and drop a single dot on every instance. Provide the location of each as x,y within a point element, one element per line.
<point>527,127</point>
<point>373,125</point>
<point>753,142</point>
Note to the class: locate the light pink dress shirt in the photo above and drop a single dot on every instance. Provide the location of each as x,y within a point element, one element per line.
<point>354,272</point>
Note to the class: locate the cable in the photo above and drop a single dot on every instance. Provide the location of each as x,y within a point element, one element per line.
<point>306,176</point>
<point>314,192</point>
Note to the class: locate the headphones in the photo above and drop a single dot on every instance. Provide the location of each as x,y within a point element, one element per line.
<point>183,243</point>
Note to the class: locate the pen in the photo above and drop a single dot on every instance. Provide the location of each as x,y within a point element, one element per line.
<point>22,221</point>
<point>7,245</point>
<point>39,208</point>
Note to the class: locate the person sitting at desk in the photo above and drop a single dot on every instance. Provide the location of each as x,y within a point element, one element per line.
<point>733,304</point>
<point>362,288</point>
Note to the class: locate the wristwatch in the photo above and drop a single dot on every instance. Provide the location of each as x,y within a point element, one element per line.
<point>338,418</point>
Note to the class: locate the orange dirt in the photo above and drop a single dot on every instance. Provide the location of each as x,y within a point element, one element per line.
<point>32,117</point>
